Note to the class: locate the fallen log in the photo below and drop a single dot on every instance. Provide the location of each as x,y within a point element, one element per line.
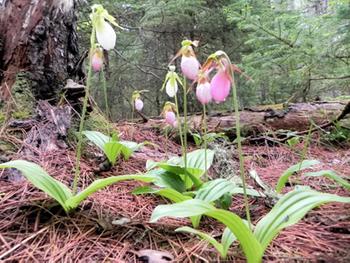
<point>255,121</point>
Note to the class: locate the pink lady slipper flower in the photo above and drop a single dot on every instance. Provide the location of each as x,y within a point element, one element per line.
<point>170,118</point>
<point>220,84</point>
<point>136,99</point>
<point>203,90</point>
<point>138,104</point>
<point>189,63</point>
<point>97,60</point>
<point>169,114</point>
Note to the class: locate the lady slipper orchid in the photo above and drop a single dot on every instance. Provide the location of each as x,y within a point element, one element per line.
<point>190,66</point>
<point>136,99</point>
<point>170,118</point>
<point>170,83</point>
<point>105,33</point>
<point>97,60</point>
<point>138,104</point>
<point>189,63</point>
<point>168,112</point>
<point>203,92</point>
<point>220,86</point>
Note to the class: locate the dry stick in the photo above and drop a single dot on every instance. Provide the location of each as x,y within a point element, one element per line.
<point>23,242</point>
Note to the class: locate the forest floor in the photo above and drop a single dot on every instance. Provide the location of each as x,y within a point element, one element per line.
<point>33,230</point>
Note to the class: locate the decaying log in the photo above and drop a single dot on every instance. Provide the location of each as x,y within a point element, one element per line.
<point>254,121</point>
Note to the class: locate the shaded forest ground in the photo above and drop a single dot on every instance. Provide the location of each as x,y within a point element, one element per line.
<point>31,229</point>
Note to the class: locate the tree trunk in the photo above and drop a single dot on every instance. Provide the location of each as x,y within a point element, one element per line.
<point>37,37</point>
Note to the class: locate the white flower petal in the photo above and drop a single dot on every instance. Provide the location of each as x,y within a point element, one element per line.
<point>105,34</point>
<point>170,89</point>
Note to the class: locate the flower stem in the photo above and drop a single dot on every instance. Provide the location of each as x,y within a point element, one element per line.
<point>179,124</point>
<point>240,152</point>
<point>104,84</point>
<point>83,113</point>
<point>205,141</point>
<point>185,123</point>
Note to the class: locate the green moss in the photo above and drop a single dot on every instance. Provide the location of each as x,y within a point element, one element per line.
<point>97,122</point>
<point>23,97</point>
<point>2,117</point>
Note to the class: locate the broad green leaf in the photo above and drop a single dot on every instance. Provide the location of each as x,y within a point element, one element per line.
<point>226,240</point>
<point>112,147</point>
<point>204,236</point>
<point>97,138</point>
<point>42,180</point>
<point>196,207</point>
<point>168,180</point>
<point>195,159</point>
<point>289,210</point>
<point>215,189</point>
<point>112,150</point>
<point>143,190</point>
<point>331,175</point>
<point>172,195</point>
<point>102,183</point>
<point>291,170</point>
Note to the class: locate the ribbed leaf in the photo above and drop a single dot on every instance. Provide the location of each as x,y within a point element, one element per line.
<point>102,183</point>
<point>226,240</point>
<point>112,150</point>
<point>289,210</point>
<point>289,172</point>
<point>42,180</point>
<point>196,207</point>
<point>97,138</point>
<point>331,175</point>
<point>215,189</point>
<point>168,180</point>
<point>112,147</point>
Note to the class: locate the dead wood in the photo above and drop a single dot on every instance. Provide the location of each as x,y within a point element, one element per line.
<point>256,121</point>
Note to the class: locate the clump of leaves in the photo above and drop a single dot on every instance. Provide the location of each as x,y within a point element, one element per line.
<point>338,134</point>
<point>291,208</point>
<point>112,147</point>
<point>59,191</point>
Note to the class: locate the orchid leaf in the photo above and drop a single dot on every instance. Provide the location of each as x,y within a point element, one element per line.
<point>42,180</point>
<point>293,169</point>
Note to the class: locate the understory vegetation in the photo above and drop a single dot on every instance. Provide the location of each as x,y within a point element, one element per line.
<point>174,58</point>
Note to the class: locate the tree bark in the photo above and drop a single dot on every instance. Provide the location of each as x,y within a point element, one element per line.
<point>37,37</point>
